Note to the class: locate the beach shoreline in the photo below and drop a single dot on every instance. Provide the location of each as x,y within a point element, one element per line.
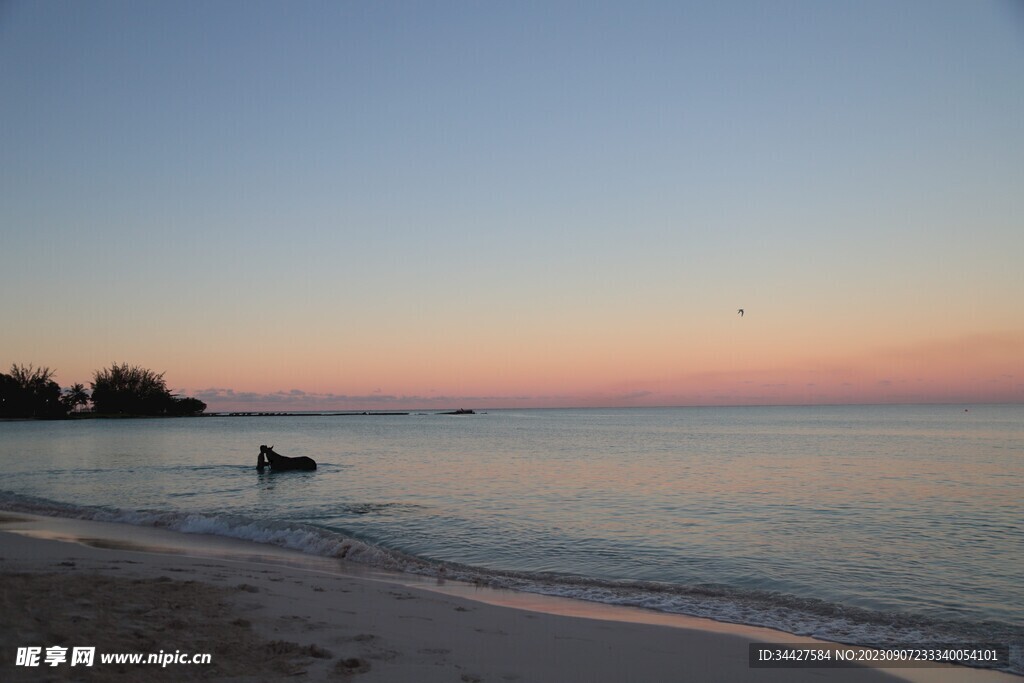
<point>265,613</point>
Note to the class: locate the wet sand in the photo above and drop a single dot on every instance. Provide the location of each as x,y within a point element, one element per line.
<point>268,614</point>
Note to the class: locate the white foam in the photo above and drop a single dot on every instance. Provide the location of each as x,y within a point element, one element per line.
<point>786,613</point>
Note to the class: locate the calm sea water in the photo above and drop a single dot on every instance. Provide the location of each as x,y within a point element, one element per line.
<point>860,524</point>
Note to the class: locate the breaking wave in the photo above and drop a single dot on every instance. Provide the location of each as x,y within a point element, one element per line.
<point>798,615</point>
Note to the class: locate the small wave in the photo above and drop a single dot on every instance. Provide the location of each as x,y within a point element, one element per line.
<point>305,538</point>
<point>199,468</point>
<point>800,616</point>
<point>377,508</point>
<point>793,614</point>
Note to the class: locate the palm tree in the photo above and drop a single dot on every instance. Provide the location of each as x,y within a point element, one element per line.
<point>75,396</point>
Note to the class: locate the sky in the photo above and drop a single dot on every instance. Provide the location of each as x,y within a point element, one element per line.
<point>381,205</point>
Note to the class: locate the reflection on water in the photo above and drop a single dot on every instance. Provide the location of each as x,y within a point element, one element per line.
<point>915,510</point>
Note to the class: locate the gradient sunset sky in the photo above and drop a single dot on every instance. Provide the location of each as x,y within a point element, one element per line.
<point>375,205</point>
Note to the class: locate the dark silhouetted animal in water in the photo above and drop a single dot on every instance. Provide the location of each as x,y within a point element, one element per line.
<point>281,463</point>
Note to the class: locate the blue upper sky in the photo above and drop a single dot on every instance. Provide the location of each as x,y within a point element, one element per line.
<point>347,165</point>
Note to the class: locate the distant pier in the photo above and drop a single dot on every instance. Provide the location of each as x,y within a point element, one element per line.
<point>290,414</point>
<point>346,413</point>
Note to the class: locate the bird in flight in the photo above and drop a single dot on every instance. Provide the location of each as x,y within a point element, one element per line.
<point>740,311</point>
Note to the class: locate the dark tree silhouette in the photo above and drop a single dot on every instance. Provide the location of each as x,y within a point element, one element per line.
<point>128,389</point>
<point>186,406</point>
<point>132,390</point>
<point>75,396</point>
<point>30,392</point>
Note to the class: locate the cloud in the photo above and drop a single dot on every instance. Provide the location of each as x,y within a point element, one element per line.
<point>226,399</point>
<point>978,368</point>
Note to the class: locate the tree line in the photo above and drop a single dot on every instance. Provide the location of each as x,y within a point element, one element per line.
<point>118,390</point>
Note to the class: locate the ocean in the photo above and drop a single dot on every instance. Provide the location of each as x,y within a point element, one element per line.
<point>859,524</point>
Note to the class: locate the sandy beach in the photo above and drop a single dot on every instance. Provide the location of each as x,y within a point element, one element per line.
<point>70,583</point>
